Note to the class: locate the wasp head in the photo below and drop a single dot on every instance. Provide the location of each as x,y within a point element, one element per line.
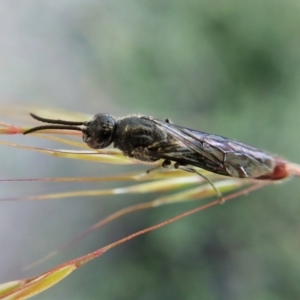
<point>99,132</point>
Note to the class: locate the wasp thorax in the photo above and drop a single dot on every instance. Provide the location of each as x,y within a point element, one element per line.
<point>99,132</point>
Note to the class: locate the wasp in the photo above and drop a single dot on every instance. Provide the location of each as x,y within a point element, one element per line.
<point>148,139</point>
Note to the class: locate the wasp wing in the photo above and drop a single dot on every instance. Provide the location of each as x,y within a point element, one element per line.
<point>216,153</point>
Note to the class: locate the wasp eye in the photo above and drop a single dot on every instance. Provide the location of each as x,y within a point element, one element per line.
<point>99,132</point>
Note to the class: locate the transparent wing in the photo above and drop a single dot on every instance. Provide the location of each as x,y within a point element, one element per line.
<point>216,154</point>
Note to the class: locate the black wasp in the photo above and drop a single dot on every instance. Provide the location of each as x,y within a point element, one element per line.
<point>148,139</point>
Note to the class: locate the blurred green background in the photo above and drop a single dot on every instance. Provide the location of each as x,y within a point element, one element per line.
<point>227,67</point>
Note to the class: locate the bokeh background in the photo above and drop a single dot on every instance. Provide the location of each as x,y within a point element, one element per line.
<point>225,67</point>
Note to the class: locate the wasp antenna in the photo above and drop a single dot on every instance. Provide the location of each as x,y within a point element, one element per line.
<point>52,121</point>
<point>64,127</point>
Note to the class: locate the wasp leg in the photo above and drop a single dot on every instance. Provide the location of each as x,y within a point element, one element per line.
<point>192,170</point>
<point>165,164</point>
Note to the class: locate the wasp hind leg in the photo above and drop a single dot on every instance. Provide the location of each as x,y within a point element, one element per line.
<point>192,170</point>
